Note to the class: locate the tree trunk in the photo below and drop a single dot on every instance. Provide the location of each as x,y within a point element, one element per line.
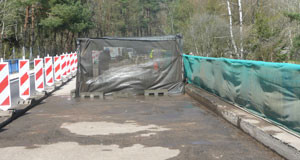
<point>2,33</point>
<point>192,32</point>
<point>5,45</point>
<point>25,29</point>
<point>32,31</point>
<point>53,44</point>
<point>72,40</point>
<point>1,38</point>
<point>290,33</point>
<point>67,42</point>
<point>62,40</point>
<point>14,53</point>
<point>39,40</point>
<point>241,30</point>
<point>230,28</point>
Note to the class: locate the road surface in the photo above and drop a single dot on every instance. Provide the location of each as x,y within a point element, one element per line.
<point>139,128</point>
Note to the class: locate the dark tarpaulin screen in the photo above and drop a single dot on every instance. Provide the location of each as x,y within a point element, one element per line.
<point>130,64</point>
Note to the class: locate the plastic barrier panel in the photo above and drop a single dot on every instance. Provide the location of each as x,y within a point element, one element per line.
<point>49,71</point>
<point>63,66</point>
<point>5,98</point>
<point>57,70</point>
<point>76,61</point>
<point>68,64</point>
<point>39,74</point>
<point>271,90</point>
<point>24,81</point>
<point>73,62</point>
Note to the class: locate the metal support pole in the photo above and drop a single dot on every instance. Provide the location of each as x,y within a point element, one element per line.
<point>77,94</point>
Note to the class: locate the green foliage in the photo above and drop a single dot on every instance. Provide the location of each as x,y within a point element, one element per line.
<point>179,15</point>
<point>296,47</point>
<point>127,17</point>
<point>72,16</point>
<point>206,35</point>
<point>213,7</point>
<point>296,40</point>
<point>52,22</point>
<point>293,16</point>
<point>270,33</point>
<point>263,29</point>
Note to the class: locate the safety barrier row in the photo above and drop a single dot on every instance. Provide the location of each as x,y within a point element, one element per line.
<point>47,71</point>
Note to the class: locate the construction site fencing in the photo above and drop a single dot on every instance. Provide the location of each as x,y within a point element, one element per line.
<point>130,65</point>
<point>270,90</point>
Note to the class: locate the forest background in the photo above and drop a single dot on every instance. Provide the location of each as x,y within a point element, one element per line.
<point>266,30</point>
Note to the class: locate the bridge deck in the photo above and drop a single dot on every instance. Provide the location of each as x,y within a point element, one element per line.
<point>132,128</point>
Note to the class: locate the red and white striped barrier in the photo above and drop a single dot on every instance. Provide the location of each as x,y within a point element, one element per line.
<point>68,64</point>
<point>5,98</point>
<point>24,82</point>
<point>39,74</point>
<point>57,70</point>
<point>72,62</point>
<point>76,61</point>
<point>63,66</point>
<point>74,67</point>
<point>49,71</point>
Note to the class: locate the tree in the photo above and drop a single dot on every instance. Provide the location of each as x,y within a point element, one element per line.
<point>8,22</point>
<point>230,28</point>
<point>241,29</point>
<point>68,17</point>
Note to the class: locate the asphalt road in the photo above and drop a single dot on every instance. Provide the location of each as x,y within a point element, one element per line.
<point>14,89</point>
<point>144,128</point>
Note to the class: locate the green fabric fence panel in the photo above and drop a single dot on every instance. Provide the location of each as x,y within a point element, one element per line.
<point>271,90</point>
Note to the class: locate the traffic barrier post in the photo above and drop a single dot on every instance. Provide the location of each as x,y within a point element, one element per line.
<point>24,81</point>
<point>68,64</point>
<point>63,65</point>
<point>49,71</point>
<point>5,97</point>
<point>72,62</point>
<point>57,69</point>
<point>39,74</point>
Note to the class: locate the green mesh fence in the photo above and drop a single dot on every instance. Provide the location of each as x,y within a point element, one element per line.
<point>270,90</point>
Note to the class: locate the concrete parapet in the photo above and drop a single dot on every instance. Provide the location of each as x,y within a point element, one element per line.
<point>284,143</point>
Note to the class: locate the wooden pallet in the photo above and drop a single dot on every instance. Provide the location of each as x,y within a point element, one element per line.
<point>25,102</point>
<point>91,95</point>
<point>159,92</point>
<point>122,94</point>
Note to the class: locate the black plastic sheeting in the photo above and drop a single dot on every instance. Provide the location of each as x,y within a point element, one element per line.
<point>130,64</point>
